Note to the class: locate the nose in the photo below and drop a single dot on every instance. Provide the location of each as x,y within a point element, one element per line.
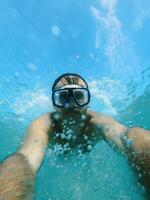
<point>70,103</point>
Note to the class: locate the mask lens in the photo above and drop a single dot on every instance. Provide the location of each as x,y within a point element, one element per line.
<point>81,96</point>
<point>60,97</point>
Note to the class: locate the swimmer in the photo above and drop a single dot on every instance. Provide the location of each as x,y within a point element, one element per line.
<point>72,126</point>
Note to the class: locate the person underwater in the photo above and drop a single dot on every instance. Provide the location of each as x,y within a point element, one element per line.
<point>71,125</point>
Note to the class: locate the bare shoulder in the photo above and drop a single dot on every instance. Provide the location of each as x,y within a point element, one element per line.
<point>42,118</point>
<point>41,122</point>
<point>94,114</point>
<point>101,118</point>
<point>97,115</point>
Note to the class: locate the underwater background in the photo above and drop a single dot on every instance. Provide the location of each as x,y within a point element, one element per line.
<point>105,41</point>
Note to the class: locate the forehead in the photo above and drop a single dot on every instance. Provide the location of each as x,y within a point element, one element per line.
<point>70,86</point>
<point>64,82</point>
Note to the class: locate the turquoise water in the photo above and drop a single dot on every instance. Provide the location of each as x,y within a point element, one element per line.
<point>107,42</point>
<point>102,174</point>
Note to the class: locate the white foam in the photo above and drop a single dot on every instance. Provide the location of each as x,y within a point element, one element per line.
<point>31,101</point>
<point>111,92</point>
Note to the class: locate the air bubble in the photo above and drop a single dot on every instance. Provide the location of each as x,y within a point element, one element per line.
<point>89,147</point>
<point>57,135</point>
<point>85,137</point>
<point>63,136</point>
<point>89,142</point>
<point>140,175</point>
<point>16,74</point>
<point>129,143</point>
<point>69,137</point>
<point>56,116</point>
<point>74,137</point>
<point>32,67</point>
<point>55,30</point>
<point>83,117</point>
<point>75,164</point>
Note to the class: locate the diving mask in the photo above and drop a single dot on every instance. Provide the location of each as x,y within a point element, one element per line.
<point>71,95</point>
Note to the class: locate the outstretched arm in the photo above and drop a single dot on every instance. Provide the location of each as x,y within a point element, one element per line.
<point>133,142</point>
<point>17,172</point>
<point>16,178</point>
<point>35,142</point>
<point>109,129</point>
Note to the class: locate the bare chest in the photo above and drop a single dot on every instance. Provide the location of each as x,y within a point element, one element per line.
<point>70,138</point>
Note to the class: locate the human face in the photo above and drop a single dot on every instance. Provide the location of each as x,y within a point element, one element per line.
<point>71,98</point>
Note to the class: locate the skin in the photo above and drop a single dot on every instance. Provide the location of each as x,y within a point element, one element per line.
<point>16,178</point>
<point>85,125</point>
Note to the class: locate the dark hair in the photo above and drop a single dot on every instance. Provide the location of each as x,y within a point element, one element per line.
<point>70,78</point>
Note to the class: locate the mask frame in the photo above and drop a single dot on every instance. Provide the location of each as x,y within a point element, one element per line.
<point>70,95</point>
